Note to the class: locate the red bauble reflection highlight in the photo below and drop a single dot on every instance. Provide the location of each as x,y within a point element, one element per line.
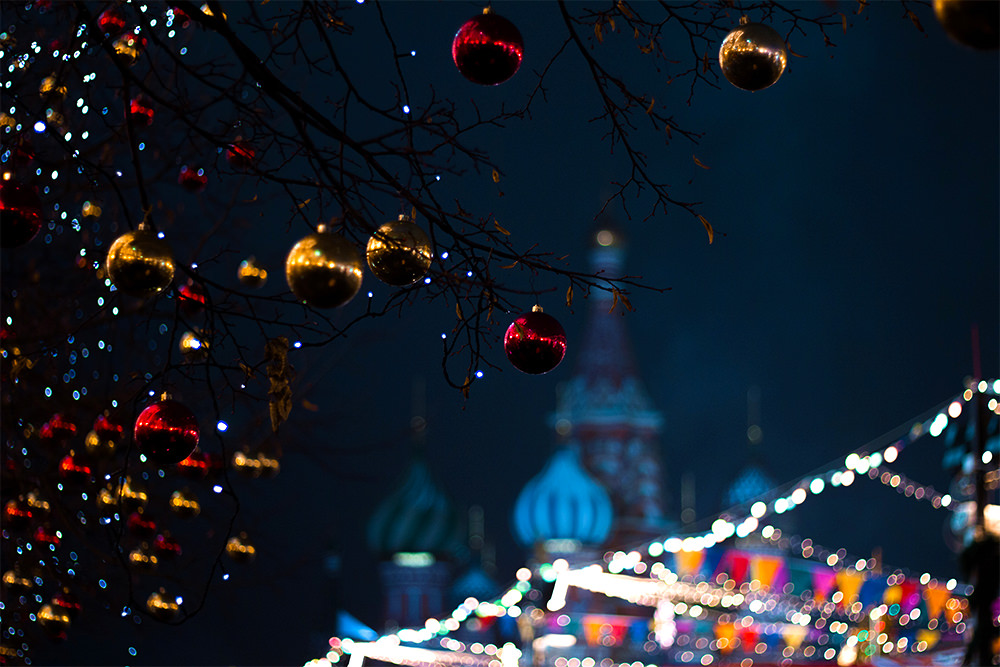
<point>112,21</point>
<point>191,179</point>
<point>535,342</point>
<point>107,429</point>
<point>240,155</point>
<point>487,49</point>
<point>20,214</point>
<point>166,432</point>
<point>141,113</point>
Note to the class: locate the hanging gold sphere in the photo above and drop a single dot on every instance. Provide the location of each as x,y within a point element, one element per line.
<point>250,274</point>
<point>52,90</point>
<point>239,548</point>
<point>185,504</point>
<point>53,620</point>
<point>248,466</point>
<point>140,264</point>
<point>753,56</point>
<point>974,23</point>
<point>399,253</point>
<point>162,606</point>
<point>98,447</point>
<point>194,346</point>
<point>323,270</point>
<point>143,559</point>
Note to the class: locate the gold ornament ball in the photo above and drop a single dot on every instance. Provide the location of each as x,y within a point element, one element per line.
<point>194,346</point>
<point>99,448</point>
<point>52,619</point>
<point>185,504</point>
<point>974,23</point>
<point>140,264</point>
<point>324,270</point>
<point>399,253</point>
<point>251,274</point>
<point>753,56</point>
<point>240,549</point>
<point>162,606</point>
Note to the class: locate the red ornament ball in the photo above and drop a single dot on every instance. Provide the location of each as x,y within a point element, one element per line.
<point>107,429</point>
<point>240,155</point>
<point>73,470</point>
<point>191,179</point>
<point>20,214</point>
<point>535,342</point>
<point>140,112</point>
<point>16,514</point>
<point>67,601</point>
<point>112,21</point>
<point>191,296</point>
<point>487,49</point>
<point>57,428</point>
<point>166,431</point>
<point>141,525</point>
<point>167,546</point>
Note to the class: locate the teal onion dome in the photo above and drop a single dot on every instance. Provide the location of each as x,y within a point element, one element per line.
<point>416,518</point>
<point>563,502</point>
<point>750,483</point>
<point>474,583</point>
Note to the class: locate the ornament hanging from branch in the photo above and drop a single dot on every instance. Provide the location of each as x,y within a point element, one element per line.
<point>323,269</point>
<point>487,49</point>
<point>166,431</point>
<point>399,253</point>
<point>20,213</point>
<point>753,56</point>
<point>535,342</point>
<point>139,263</point>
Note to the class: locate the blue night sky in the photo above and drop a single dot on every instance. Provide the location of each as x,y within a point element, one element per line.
<point>855,205</point>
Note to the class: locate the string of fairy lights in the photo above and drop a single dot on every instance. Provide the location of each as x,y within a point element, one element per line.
<point>641,577</point>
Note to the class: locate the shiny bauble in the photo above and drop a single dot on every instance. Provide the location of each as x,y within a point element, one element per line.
<point>251,274</point>
<point>192,179</point>
<point>240,549</point>
<point>128,48</point>
<point>112,21</point>
<point>753,56</point>
<point>324,270</point>
<point>38,505</point>
<point>974,23</point>
<point>14,582</point>
<point>162,606</point>
<point>140,112</point>
<point>54,621</point>
<point>67,601</point>
<point>74,471</point>
<point>185,504</point>
<point>20,214</point>
<point>487,49</point>
<point>52,90</point>
<point>191,298</point>
<point>167,546</point>
<point>399,253</point>
<point>248,466</point>
<point>140,525</point>
<point>57,429</point>
<point>194,347</point>
<point>240,155</point>
<point>107,428</point>
<point>268,467</point>
<point>140,264</point>
<point>142,558</point>
<point>46,535</point>
<point>16,514</point>
<point>166,431</point>
<point>535,342</point>
<point>98,448</point>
